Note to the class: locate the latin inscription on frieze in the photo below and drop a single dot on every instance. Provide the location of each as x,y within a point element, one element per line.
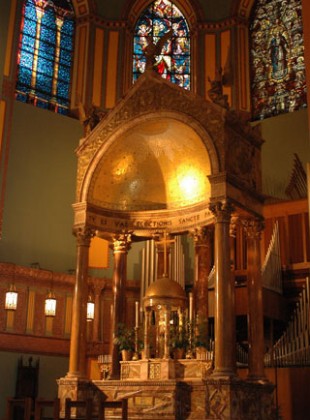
<point>136,223</point>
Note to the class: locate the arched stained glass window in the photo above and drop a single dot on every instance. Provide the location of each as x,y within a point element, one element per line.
<point>277,58</point>
<point>45,54</point>
<point>162,41</point>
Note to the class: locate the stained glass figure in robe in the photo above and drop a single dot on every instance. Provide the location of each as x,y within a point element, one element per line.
<point>278,81</point>
<point>163,19</point>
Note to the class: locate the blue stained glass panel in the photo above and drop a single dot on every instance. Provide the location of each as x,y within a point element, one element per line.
<point>158,19</point>
<point>37,69</point>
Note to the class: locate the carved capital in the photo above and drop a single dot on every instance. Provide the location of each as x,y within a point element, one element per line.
<point>253,227</point>
<point>222,211</point>
<point>83,235</point>
<point>234,221</point>
<point>121,243</point>
<point>202,235</point>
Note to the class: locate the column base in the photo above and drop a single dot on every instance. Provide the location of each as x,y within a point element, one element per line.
<point>223,373</point>
<point>257,379</point>
<point>75,388</point>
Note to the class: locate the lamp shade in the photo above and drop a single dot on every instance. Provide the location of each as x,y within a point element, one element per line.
<point>90,310</point>
<point>50,304</point>
<point>11,298</point>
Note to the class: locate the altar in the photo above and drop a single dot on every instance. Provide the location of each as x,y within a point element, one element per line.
<point>162,369</point>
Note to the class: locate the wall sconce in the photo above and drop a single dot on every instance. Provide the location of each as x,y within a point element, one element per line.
<point>90,309</point>
<point>11,298</point>
<point>50,304</point>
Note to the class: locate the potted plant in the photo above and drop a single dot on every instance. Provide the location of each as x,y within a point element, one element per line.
<point>178,341</point>
<point>125,339</point>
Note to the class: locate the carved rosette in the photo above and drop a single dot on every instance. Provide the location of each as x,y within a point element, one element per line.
<point>121,243</point>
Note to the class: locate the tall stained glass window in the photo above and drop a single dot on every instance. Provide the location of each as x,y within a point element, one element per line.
<point>162,41</point>
<point>277,58</point>
<point>45,54</point>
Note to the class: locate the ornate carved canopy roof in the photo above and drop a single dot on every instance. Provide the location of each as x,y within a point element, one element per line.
<point>158,159</point>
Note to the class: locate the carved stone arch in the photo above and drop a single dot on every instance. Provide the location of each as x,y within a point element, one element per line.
<point>186,119</point>
<point>191,10</point>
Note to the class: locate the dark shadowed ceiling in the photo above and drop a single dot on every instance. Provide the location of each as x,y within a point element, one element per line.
<point>213,10</point>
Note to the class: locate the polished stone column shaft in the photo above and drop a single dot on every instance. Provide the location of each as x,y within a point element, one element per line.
<point>203,264</point>
<point>225,341</point>
<point>77,360</point>
<point>121,245</point>
<point>253,229</point>
<point>98,287</point>
<point>146,338</point>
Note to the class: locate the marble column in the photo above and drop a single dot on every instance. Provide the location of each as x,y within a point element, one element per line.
<point>167,332</point>
<point>77,360</point>
<point>146,338</point>
<point>224,323</point>
<point>98,288</point>
<point>121,246</point>
<point>253,229</point>
<point>203,264</point>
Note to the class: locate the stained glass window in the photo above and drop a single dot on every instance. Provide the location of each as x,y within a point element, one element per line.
<point>45,54</point>
<point>162,41</point>
<point>277,58</point>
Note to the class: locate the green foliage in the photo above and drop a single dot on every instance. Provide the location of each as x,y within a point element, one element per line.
<point>125,337</point>
<point>178,337</point>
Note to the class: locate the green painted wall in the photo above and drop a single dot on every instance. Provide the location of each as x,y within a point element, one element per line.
<point>40,189</point>
<point>284,135</point>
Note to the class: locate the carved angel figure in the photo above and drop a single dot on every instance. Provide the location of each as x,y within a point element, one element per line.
<point>152,49</point>
<point>89,120</point>
<point>216,91</point>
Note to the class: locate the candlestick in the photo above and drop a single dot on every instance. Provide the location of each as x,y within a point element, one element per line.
<point>137,314</point>
<point>190,306</point>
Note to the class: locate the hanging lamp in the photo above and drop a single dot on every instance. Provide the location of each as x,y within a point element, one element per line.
<point>50,304</point>
<point>11,298</point>
<point>90,308</point>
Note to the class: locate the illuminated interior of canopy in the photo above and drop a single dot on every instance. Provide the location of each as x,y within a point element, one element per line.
<point>158,164</point>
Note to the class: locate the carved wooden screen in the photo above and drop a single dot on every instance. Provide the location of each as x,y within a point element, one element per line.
<point>45,54</point>
<point>277,58</point>
<point>172,61</point>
